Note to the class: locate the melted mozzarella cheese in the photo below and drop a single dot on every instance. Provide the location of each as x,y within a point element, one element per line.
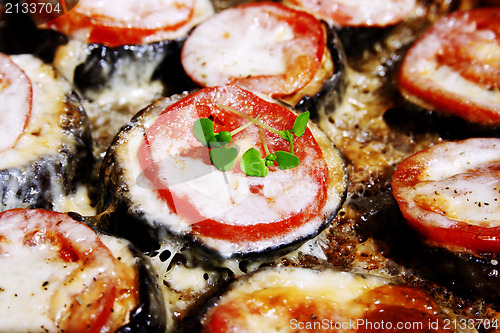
<point>459,182</point>
<point>227,195</point>
<point>171,19</point>
<point>433,76</point>
<point>452,82</point>
<point>30,276</point>
<point>276,296</point>
<point>472,197</point>
<point>147,15</point>
<point>236,46</point>
<point>378,13</point>
<point>15,102</point>
<point>42,135</point>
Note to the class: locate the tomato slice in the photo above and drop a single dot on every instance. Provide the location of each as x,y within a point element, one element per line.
<point>127,22</point>
<point>274,308</point>
<point>92,290</point>
<point>229,205</point>
<point>455,66</point>
<point>295,300</point>
<point>400,308</point>
<point>356,13</point>
<point>264,47</point>
<point>449,193</point>
<point>16,93</point>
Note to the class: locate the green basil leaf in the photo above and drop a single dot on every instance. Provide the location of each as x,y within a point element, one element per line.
<point>286,160</point>
<point>286,135</point>
<point>300,124</point>
<point>252,164</point>
<point>216,142</point>
<point>203,130</point>
<point>224,158</point>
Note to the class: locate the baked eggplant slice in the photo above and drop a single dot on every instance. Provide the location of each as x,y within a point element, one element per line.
<point>59,275</point>
<point>287,299</point>
<point>45,152</point>
<point>449,194</point>
<point>359,24</point>
<point>123,56</point>
<point>453,68</point>
<point>159,172</point>
<point>268,48</point>
<point>114,47</point>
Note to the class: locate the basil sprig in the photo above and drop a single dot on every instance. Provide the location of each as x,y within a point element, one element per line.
<point>223,154</point>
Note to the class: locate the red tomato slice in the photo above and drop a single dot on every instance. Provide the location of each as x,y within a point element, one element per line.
<point>455,66</point>
<point>399,308</point>
<point>474,48</point>
<point>125,22</point>
<point>16,93</point>
<point>357,13</point>
<point>449,193</point>
<point>264,47</point>
<point>293,300</point>
<point>277,306</point>
<point>229,205</point>
<point>94,291</point>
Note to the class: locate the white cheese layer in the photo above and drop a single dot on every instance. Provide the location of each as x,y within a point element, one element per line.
<point>236,44</point>
<point>231,198</point>
<point>366,13</point>
<point>15,102</point>
<point>376,12</point>
<point>146,15</point>
<point>336,286</point>
<point>449,80</point>
<point>33,270</point>
<point>228,196</point>
<point>171,19</point>
<point>30,276</point>
<point>459,182</point>
<point>43,134</point>
<point>270,299</point>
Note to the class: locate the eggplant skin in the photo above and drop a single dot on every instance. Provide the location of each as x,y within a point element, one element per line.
<point>466,274</point>
<point>150,313</point>
<point>358,39</point>
<point>115,204</point>
<point>37,183</point>
<point>102,63</point>
<point>333,88</point>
